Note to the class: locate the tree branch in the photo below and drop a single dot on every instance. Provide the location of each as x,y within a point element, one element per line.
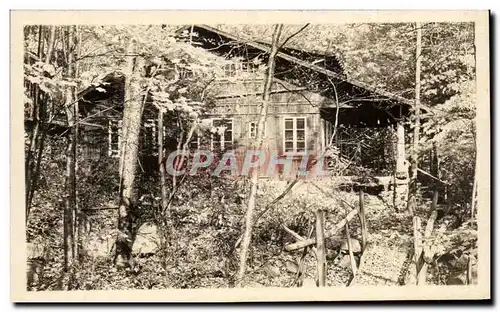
<point>293,35</point>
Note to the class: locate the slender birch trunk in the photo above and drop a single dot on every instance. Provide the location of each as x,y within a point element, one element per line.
<point>412,192</point>
<point>71,109</point>
<point>133,108</point>
<point>247,236</point>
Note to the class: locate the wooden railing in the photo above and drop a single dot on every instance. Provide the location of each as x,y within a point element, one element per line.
<point>322,235</point>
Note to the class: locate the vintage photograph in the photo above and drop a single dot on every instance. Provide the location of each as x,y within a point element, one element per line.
<point>250,156</point>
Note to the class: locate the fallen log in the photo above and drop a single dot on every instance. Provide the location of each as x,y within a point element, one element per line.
<point>294,234</point>
<point>311,241</point>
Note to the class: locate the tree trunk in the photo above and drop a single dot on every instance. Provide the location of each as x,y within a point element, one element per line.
<point>413,187</point>
<point>362,219</point>
<point>161,164</point>
<point>435,172</point>
<point>38,133</point>
<point>247,236</point>
<point>128,161</point>
<point>70,212</point>
<point>161,212</point>
<point>417,244</point>
<point>428,253</point>
<point>79,215</point>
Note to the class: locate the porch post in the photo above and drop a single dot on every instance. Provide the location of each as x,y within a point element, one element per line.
<point>401,168</point>
<point>401,174</point>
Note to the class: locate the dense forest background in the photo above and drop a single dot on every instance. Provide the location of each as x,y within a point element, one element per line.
<point>198,221</point>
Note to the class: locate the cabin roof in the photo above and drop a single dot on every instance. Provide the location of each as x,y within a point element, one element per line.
<point>289,56</point>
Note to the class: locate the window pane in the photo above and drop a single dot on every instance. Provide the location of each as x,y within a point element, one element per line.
<point>301,135</point>
<point>228,136</point>
<point>301,123</point>
<point>216,136</point>
<point>228,133</point>
<point>252,133</point>
<point>288,123</point>
<point>288,146</point>
<point>301,146</point>
<point>288,135</point>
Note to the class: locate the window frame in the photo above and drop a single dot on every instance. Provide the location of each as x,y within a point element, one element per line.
<point>294,138</point>
<point>252,130</point>
<point>256,129</point>
<point>223,138</point>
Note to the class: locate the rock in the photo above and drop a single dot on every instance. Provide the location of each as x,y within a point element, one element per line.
<point>291,266</point>
<point>356,245</point>
<point>331,254</point>
<point>147,240</point>
<point>345,262</point>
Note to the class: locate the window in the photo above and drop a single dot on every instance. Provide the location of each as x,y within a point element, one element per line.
<point>114,137</point>
<point>230,70</point>
<point>295,134</point>
<point>248,67</point>
<point>222,139</point>
<point>235,69</point>
<point>252,131</point>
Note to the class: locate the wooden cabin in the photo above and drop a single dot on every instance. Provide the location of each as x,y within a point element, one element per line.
<point>302,112</point>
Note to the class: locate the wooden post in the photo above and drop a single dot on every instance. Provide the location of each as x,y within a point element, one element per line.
<point>417,244</point>
<point>354,267</point>
<point>362,219</point>
<point>320,248</point>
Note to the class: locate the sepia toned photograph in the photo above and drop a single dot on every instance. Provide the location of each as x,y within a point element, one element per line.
<point>277,159</point>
